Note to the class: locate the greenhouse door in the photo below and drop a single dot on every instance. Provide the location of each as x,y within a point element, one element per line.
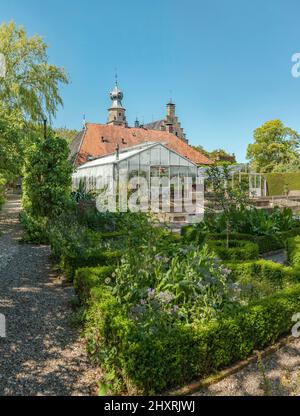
<point>255,190</point>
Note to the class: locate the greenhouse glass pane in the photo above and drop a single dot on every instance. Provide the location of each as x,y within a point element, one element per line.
<point>155,156</point>
<point>145,157</point>
<point>183,171</point>
<point>174,159</point>
<point>183,162</point>
<point>123,165</point>
<point>164,156</point>
<point>144,171</point>
<point>173,171</point>
<point>133,163</point>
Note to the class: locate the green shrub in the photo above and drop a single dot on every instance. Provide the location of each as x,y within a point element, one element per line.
<point>172,238</point>
<point>2,190</point>
<point>88,278</point>
<point>238,249</point>
<point>191,233</point>
<point>46,185</point>
<point>261,278</point>
<point>278,182</point>
<point>293,251</point>
<point>36,228</point>
<point>110,235</point>
<point>70,263</point>
<point>274,242</point>
<point>264,242</point>
<point>150,361</point>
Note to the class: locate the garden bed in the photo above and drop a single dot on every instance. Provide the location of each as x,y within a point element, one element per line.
<point>161,309</point>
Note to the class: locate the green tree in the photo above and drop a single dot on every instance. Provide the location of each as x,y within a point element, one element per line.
<point>31,84</point>
<point>219,156</point>
<point>201,149</point>
<point>226,195</point>
<point>67,134</point>
<point>46,185</point>
<point>11,140</point>
<point>274,145</point>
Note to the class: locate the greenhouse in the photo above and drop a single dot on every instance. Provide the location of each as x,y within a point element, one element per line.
<point>154,162</point>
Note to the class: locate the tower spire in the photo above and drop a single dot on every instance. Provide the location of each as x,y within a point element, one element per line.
<point>116,113</point>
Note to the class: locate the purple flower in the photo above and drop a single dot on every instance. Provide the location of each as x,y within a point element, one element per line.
<point>150,292</point>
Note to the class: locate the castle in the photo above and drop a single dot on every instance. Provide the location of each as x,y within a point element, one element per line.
<point>98,140</point>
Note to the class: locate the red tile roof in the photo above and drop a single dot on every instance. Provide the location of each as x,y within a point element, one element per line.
<point>101,139</point>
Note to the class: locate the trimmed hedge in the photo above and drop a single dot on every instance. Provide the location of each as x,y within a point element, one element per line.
<point>265,243</point>
<point>237,250</point>
<point>90,277</point>
<point>112,235</point>
<point>278,181</point>
<point>150,363</point>
<point>293,251</point>
<point>263,270</point>
<point>69,264</point>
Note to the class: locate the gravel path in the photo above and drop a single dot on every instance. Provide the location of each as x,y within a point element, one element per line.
<point>43,353</point>
<point>279,376</point>
<point>278,256</point>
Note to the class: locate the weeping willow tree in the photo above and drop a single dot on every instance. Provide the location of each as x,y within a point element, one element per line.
<point>31,84</point>
<point>29,93</point>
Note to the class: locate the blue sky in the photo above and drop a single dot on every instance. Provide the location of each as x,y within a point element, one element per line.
<point>227,63</point>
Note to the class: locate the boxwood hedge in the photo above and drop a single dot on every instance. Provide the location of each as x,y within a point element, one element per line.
<point>148,363</point>
<point>265,243</point>
<point>293,252</point>
<point>88,278</point>
<point>237,250</point>
<point>70,263</point>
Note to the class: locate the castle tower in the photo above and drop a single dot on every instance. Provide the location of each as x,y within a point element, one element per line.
<point>171,110</point>
<point>116,113</point>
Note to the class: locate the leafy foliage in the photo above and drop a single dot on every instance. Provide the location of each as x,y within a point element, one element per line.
<point>31,84</point>
<point>163,311</point>
<point>227,197</point>
<point>46,184</point>
<point>47,177</point>
<point>282,183</point>
<point>250,221</point>
<point>219,156</point>
<point>65,133</point>
<point>237,250</point>
<point>275,147</point>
